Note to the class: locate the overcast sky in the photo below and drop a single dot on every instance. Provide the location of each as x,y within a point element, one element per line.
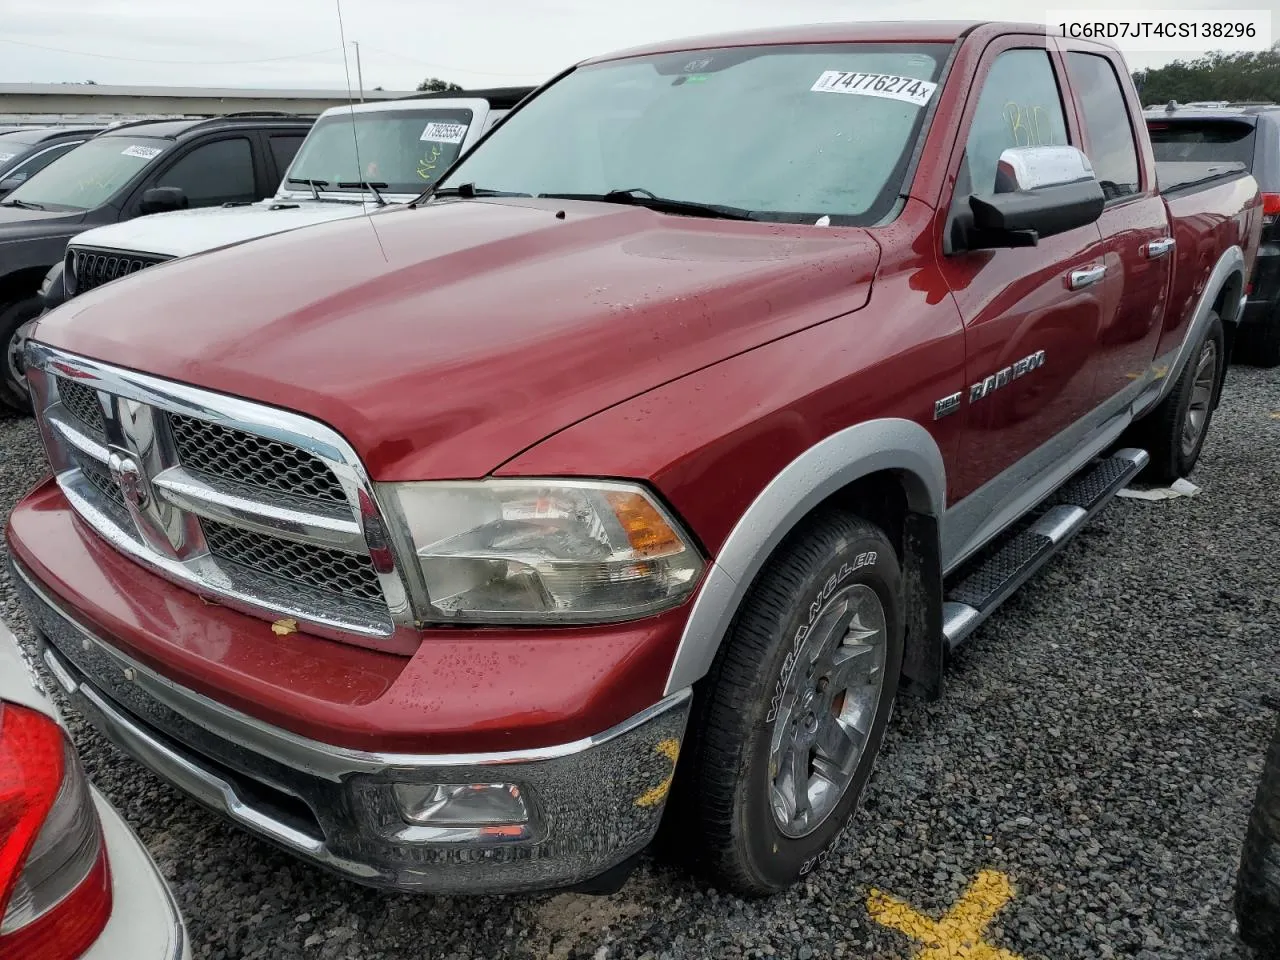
<point>296,43</point>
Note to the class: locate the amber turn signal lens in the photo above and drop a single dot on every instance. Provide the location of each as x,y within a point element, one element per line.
<point>649,534</point>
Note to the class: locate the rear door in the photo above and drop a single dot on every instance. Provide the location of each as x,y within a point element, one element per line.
<point>1031,315</point>
<point>1138,241</point>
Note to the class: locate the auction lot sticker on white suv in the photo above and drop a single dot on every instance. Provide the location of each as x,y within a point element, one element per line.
<point>906,89</point>
<point>444,132</point>
<point>142,153</point>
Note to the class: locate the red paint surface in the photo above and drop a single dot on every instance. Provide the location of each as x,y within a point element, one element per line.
<point>474,337</point>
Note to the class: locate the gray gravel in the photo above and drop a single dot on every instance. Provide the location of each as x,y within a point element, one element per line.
<point>1099,742</point>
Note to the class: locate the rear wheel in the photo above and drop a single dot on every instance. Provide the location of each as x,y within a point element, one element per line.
<point>13,329</point>
<point>1174,433</point>
<point>1258,883</point>
<point>796,705</point>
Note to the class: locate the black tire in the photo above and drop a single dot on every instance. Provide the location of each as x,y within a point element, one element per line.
<point>1258,343</point>
<point>727,790</point>
<point>1258,882</point>
<point>13,388</point>
<point>1161,431</point>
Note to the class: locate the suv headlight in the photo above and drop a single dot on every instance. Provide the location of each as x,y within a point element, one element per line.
<point>540,551</point>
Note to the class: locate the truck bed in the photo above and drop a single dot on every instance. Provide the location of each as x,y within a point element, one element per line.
<point>1174,176</point>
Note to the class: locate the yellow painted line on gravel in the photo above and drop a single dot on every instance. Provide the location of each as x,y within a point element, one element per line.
<point>670,749</point>
<point>958,935</point>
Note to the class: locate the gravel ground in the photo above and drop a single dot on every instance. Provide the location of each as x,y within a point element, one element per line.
<point>1099,743</point>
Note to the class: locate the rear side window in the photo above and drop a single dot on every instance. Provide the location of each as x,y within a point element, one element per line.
<point>1203,141</point>
<point>214,173</point>
<point>1111,148</point>
<point>1019,106</point>
<point>283,149</point>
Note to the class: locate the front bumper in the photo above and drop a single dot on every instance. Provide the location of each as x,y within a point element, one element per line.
<point>594,803</point>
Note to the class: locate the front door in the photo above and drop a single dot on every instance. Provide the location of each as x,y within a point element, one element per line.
<point>1032,315</point>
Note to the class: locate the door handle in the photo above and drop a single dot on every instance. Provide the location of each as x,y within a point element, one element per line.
<point>1158,248</point>
<point>1079,279</point>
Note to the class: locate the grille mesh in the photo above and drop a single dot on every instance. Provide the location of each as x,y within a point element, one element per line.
<point>93,269</point>
<point>101,478</point>
<point>345,574</point>
<point>82,403</point>
<point>243,457</point>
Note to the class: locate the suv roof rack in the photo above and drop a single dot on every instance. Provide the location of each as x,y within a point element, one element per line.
<point>247,115</point>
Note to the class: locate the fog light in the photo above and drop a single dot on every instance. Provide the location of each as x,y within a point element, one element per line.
<point>461,804</point>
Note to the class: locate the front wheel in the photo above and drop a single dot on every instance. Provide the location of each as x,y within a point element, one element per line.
<point>796,705</point>
<point>14,325</point>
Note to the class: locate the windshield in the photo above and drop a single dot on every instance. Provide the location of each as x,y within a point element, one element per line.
<point>91,174</point>
<point>407,149</point>
<point>784,133</point>
<point>1202,140</point>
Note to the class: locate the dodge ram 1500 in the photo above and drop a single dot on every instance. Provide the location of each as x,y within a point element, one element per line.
<point>719,392</point>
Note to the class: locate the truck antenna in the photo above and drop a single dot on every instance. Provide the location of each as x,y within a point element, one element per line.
<point>355,139</point>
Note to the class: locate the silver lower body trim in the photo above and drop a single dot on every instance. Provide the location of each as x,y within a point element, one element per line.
<point>593,803</point>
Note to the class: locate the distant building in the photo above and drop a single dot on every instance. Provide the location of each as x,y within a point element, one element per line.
<point>81,103</point>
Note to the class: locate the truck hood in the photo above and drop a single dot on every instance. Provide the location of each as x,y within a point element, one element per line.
<point>184,232</point>
<point>443,340</point>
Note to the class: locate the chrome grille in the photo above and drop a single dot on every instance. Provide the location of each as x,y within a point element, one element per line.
<point>82,403</point>
<point>346,574</point>
<point>252,460</point>
<point>240,502</point>
<point>93,268</point>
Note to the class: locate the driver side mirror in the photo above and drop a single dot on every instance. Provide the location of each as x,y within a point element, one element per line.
<point>1039,192</point>
<point>163,200</point>
<point>8,186</point>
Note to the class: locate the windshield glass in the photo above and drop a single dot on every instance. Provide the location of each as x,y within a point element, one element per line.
<point>12,144</point>
<point>785,133</point>
<point>91,174</point>
<point>407,149</point>
<point>1202,140</point>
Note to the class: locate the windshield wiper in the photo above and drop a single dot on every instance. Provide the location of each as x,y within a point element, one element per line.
<point>313,184</point>
<point>640,197</point>
<point>22,204</point>
<point>469,190</point>
<point>370,185</point>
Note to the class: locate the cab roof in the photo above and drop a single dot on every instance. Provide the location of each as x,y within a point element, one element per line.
<point>886,31</point>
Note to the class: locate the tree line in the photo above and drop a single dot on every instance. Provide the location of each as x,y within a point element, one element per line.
<point>1254,75</point>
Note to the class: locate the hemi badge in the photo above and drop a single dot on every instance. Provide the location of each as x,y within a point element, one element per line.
<point>946,405</point>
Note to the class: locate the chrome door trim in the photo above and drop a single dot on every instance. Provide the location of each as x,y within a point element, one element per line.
<point>1155,249</point>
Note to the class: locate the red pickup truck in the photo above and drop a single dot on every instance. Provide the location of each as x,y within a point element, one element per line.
<point>720,391</point>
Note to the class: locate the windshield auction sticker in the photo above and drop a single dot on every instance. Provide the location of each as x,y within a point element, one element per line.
<point>142,153</point>
<point>886,85</point>
<point>444,132</point>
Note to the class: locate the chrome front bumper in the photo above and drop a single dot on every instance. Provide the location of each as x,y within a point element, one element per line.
<point>594,803</point>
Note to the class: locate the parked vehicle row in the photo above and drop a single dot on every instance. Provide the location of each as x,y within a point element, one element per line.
<point>623,477</point>
<point>25,152</point>
<point>165,189</point>
<point>1247,136</point>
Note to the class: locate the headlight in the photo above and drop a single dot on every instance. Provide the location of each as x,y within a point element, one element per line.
<point>539,551</point>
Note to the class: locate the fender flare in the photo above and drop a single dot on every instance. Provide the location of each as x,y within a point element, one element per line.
<point>1229,265</point>
<point>891,444</point>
